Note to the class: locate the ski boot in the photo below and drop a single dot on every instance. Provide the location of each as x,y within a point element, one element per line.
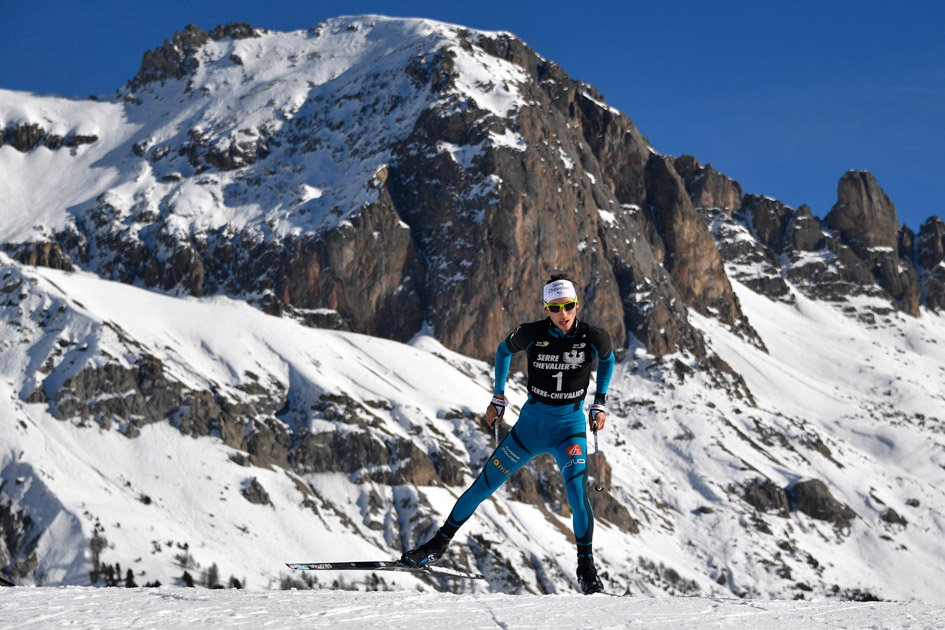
<point>427,553</point>
<point>587,575</point>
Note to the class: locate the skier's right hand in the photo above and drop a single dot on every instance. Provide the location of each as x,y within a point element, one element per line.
<point>495,410</point>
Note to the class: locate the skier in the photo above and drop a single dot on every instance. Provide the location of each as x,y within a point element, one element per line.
<point>560,351</point>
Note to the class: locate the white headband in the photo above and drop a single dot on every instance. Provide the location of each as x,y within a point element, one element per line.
<point>559,289</point>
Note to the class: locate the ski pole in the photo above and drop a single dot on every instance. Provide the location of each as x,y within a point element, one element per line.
<point>598,487</point>
<point>499,404</point>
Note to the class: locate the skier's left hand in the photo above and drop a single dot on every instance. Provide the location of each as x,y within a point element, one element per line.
<point>597,417</point>
<point>495,410</point>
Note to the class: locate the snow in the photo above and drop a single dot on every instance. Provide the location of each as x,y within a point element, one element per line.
<point>607,216</point>
<point>171,607</point>
<point>601,104</point>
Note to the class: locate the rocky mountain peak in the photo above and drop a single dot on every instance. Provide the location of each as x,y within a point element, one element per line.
<point>931,243</point>
<point>174,59</point>
<point>707,187</point>
<point>177,58</point>
<point>863,215</point>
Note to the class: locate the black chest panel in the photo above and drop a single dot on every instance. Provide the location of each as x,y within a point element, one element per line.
<point>559,368</point>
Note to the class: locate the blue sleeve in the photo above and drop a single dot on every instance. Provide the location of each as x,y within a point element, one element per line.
<point>503,359</point>
<point>605,369</point>
<point>600,339</point>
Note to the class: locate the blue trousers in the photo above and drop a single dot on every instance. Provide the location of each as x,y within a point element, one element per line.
<point>541,428</point>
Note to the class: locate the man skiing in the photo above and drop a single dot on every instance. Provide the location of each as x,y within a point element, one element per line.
<point>560,350</point>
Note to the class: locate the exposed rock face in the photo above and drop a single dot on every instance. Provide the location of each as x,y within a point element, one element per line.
<point>23,138</point>
<point>175,59</point>
<point>814,499</point>
<point>858,250</point>
<point>44,254</point>
<point>27,137</point>
<point>499,250</point>
<point>863,215</point>
<point>707,187</point>
<point>768,220</point>
<point>803,232</point>
<point>691,255</point>
<point>893,517</point>
<point>256,493</point>
<point>14,541</point>
<point>930,252</point>
<point>342,271</point>
<point>112,395</point>
<point>931,243</point>
<point>765,496</point>
<point>866,220</point>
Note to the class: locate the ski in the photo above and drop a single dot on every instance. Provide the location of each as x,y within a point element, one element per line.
<point>383,565</point>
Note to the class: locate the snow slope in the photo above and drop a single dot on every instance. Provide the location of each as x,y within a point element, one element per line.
<point>108,609</point>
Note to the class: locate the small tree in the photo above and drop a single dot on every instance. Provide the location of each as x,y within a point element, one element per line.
<point>211,578</point>
<point>187,579</point>
<point>97,544</point>
<point>108,572</point>
<point>130,580</point>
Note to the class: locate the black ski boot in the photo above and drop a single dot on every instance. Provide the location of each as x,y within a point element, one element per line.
<point>427,553</point>
<point>587,575</point>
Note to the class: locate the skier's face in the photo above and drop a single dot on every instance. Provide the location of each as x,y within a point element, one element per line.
<point>563,319</point>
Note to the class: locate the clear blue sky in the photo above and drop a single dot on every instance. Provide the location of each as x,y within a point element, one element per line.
<point>782,96</point>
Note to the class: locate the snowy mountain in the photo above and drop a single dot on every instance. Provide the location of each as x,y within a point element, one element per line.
<point>191,264</point>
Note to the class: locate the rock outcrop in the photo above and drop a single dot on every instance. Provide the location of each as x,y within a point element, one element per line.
<point>813,498</point>
<point>859,249</point>
<point>867,222</point>
<point>930,253</point>
<point>707,187</point>
<point>26,137</point>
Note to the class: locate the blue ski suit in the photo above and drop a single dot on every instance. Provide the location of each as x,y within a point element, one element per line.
<point>552,421</point>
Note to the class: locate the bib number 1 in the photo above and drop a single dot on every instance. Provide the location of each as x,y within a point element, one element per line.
<point>559,377</point>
